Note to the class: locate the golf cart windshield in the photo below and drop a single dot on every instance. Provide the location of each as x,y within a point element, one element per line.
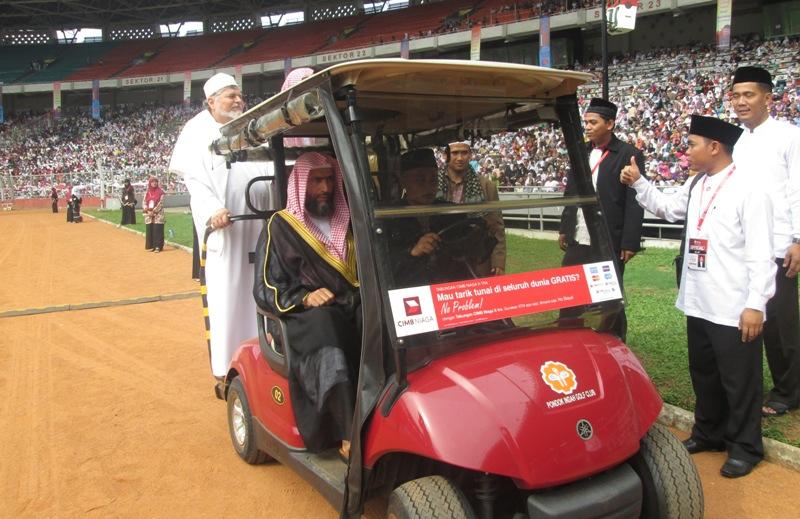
<point>445,236</point>
<point>455,244</point>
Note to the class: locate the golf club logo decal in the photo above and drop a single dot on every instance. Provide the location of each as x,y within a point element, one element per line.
<point>277,395</point>
<point>584,429</point>
<point>559,377</point>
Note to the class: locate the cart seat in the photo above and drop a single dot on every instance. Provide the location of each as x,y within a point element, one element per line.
<point>272,335</point>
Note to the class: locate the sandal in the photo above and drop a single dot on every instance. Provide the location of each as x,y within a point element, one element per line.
<point>772,409</point>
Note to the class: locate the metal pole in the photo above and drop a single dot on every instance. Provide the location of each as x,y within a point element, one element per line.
<point>604,45</point>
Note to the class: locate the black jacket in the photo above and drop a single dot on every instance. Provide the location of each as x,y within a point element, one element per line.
<point>618,201</point>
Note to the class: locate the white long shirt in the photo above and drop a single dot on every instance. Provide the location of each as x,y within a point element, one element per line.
<point>581,231</point>
<point>738,226</point>
<point>771,151</point>
<point>229,274</point>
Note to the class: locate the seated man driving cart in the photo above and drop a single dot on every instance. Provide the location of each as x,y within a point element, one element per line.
<point>436,248</point>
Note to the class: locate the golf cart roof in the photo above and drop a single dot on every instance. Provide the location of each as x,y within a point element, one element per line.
<point>404,95</point>
<point>456,78</point>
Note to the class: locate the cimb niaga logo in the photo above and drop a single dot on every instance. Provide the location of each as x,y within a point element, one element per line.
<point>412,306</point>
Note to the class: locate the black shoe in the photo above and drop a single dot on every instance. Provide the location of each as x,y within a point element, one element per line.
<point>734,468</point>
<point>694,446</point>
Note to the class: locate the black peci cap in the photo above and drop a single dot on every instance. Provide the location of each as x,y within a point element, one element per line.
<point>715,129</point>
<point>752,75</point>
<point>419,158</point>
<point>605,108</point>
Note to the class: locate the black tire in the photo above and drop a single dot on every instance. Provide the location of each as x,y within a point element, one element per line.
<point>240,425</point>
<point>671,487</point>
<point>433,497</point>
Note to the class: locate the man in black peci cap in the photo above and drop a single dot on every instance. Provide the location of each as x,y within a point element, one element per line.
<point>728,277</point>
<point>437,248</point>
<point>771,150</point>
<point>607,156</point>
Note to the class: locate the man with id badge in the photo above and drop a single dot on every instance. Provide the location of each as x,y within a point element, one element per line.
<point>728,277</point>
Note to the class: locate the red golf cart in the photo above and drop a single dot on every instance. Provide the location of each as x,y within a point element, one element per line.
<point>478,395</point>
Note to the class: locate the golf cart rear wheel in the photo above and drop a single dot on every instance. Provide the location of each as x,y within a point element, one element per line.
<point>432,497</point>
<point>671,487</point>
<point>240,426</point>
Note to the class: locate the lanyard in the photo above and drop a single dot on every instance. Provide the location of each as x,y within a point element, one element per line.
<point>710,202</point>
<point>602,158</point>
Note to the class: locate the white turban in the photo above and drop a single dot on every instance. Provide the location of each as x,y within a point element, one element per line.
<point>217,82</point>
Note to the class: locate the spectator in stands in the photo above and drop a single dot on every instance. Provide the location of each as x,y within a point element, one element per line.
<point>607,156</point>
<point>218,190</point>
<point>128,201</point>
<point>772,148</point>
<point>153,212</point>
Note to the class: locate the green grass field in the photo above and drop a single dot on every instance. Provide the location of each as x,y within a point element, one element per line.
<point>177,226</point>
<point>656,329</point>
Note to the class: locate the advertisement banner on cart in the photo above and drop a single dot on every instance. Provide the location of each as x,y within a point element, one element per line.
<point>430,308</point>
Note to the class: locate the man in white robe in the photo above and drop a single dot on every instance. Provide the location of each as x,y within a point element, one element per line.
<point>217,192</point>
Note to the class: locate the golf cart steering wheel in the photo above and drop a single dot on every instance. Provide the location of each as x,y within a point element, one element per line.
<point>461,232</point>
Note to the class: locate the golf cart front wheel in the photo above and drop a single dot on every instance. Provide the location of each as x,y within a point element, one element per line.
<point>433,497</point>
<point>671,487</point>
<point>240,425</point>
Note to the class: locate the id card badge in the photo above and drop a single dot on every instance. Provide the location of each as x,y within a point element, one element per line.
<point>697,254</point>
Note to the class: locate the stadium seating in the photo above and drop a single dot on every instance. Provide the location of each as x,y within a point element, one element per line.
<point>51,62</point>
<point>192,53</point>
<point>117,59</point>
<point>393,25</point>
<point>293,40</point>
<point>170,55</point>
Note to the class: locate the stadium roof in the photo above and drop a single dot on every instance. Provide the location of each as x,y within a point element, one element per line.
<point>68,14</point>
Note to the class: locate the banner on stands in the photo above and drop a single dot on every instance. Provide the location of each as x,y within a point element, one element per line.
<point>96,99</point>
<point>475,43</point>
<point>544,42</point>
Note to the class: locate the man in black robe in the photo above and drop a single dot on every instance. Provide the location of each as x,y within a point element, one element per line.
<point>54,199</point>
<point>309,279</point>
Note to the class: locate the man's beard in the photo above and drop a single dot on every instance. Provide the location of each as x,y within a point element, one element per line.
<point>319,209</point>
<point>231,114</point>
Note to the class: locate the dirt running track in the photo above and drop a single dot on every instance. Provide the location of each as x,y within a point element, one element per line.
<point>109,412</point>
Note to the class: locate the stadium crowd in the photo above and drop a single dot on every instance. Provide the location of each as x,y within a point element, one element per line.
<point>132,142</point>
<point>656,91</point>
